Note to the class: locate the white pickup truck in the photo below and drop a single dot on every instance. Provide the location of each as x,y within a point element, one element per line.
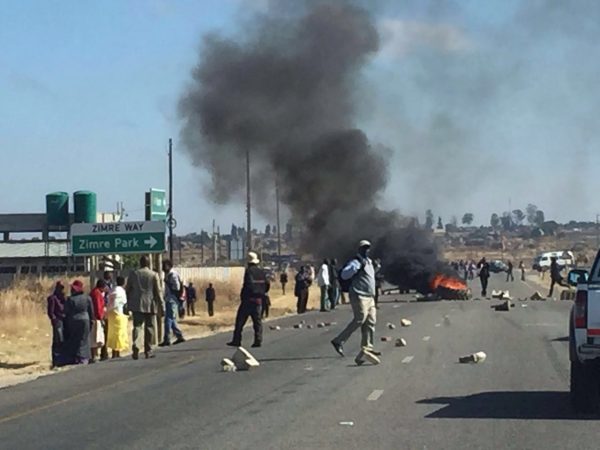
<point>584,339</point>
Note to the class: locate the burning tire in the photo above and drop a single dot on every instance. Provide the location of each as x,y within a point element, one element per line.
<point>450,288</point>
<point>447,293</point>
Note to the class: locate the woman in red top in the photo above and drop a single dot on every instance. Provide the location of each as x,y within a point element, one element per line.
<point>98,306</point>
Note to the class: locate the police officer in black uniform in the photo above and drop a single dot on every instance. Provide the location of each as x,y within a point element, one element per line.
<point>256,286</point>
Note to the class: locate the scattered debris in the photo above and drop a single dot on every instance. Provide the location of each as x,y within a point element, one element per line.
<point>397,300</point>
<point>330,324</point>
<point>523,305</point>
<point>400,342</point>
<point>386,339</point>
<point>391,326</point>
<point>298,325</point>
<point>501,295</point>
<point>244,360</point>
<point>406,323</point>
<point>274,327</point>
<point>478,357</point>
<point>366,354</point>
<point>309,326</point>
<point>321,325</point>
<point>228,365</point>
<point>536,296</point>
<point>347,424</point>
<point>503,306</point>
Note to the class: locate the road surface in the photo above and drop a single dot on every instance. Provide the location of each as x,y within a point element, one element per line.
<point>305,396</point>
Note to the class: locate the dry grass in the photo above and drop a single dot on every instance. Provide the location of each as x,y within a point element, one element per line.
<point>25,331</point>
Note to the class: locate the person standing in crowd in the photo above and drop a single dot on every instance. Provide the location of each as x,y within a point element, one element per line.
<point>509,272</point>
<point>301,289</point>
<point>266,307</point>
<point>312,273</point>
<point>555,276</point>
<point>191,298</point>
<point>173,294</point>
<point>144,300</point>
<point>97,337</point>
<point>210,296</point>
<point>484,275</point>
<point>323,282</point>
<point>107,276</point>
<point>116,338</point>
<point>56,314</point>
<point>334,285</point>
<point>283,279</point>
<point>522,268</point>
<point>361,272</point>
<point>255,288</point>
<point>472,270</point>
<point>378,281</point>
<point>79,315</point>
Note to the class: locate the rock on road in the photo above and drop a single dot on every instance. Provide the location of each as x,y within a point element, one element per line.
<point>305,396</point>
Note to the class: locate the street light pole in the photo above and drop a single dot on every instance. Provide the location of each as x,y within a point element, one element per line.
<point>170,215</point>
<point>278,220</point>
<point>248,204</point>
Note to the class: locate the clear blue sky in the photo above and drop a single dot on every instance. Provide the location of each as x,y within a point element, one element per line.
<point>88,94</point>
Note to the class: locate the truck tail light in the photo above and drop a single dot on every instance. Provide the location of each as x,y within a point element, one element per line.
<point>581,309</point>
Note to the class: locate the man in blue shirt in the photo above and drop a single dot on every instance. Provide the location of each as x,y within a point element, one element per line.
<point>361,274</point>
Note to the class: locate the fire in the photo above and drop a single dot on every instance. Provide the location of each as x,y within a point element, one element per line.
<point>447,282</point>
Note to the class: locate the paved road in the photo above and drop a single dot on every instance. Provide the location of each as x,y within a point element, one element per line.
<point>418,398</point>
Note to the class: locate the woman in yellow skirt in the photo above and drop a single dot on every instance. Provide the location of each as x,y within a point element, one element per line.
<point>117,339</point>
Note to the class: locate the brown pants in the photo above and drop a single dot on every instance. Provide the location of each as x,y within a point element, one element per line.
<point>145,321</point>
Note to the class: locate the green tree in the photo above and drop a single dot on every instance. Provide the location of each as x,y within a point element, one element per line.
<point>531,212</point>
<point>495,221</point>
<point>518,216</point>
<point>539,218</point>
<point>468,218</point>
<point>429,219</point>
<point>440,225</point>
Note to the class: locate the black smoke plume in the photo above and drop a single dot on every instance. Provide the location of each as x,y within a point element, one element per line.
<point>286,90</point>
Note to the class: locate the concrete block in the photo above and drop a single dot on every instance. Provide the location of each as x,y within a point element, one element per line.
<point>405,323</point>
<point>391,326</point>
<point>228,365</point>
<point>478,357</point>
<point>309,326</point>
<point>330,324</point>
<point>244,360</point>
<point>503,307</point>
<point>386,339</point>
<point>321,325</point>
<point>298,326</point>
<point>536,296</point>
<point>274,327</point>
<point>400,342</point>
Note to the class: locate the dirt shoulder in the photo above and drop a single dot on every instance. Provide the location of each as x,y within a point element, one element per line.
<point>25,347</point>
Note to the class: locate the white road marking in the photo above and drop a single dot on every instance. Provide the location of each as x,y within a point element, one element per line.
<point>437,325</point>
<point>426,338</point>
<point>407,359</point>
<point>375,395</point>
<point>543,324</point>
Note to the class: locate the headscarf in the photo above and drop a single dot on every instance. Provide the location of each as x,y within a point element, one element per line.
<point>77,287</point>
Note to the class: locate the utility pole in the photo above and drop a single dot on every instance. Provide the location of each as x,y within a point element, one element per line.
<point>248,204</point>
<point>214,237</point>
<point>597,231</point>
<point>201,247</point>
<point>170,214</point>
<point>278,220</point>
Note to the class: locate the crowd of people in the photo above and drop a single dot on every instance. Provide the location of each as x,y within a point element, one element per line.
<point>85,326</point>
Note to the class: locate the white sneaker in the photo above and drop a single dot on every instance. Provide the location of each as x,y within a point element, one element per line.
<point>370,357</point>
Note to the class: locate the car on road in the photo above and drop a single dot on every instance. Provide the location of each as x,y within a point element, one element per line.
<point>497,266</point>
<point>543,260</point>
<point>584,339</point>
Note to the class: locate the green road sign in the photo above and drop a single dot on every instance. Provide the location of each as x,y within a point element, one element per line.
<point>156,204</point>
<point>119,238</point>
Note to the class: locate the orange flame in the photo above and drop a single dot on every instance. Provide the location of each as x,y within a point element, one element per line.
<point>447,282</point>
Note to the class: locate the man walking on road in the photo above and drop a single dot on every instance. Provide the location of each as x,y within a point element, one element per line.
<point>522,268</point>
<point>484,275</point>
<point>256,286</point>
<point>283,279</point>
<point>555,276</point>
<point>361,272</point>
<point>509,272</point>
<point>144,300</point>
<point>173,293</point>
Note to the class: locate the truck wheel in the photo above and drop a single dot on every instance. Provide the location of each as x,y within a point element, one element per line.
<point>585,389</point>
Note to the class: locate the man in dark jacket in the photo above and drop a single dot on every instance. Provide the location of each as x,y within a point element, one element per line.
<point>484,275</point>
<point>555,276</point>
<point>190,299</point>
<point>509,272</point>
<point>256,286</point>
<point>301,289</point>
<point>283,279</point>
<point>210,295</point>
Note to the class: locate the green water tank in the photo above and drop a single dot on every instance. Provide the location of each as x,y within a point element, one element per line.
<point>57,209</point>
<point>85,207</point>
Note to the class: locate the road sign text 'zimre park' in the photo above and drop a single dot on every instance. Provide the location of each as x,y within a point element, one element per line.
<point>117,238</point>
